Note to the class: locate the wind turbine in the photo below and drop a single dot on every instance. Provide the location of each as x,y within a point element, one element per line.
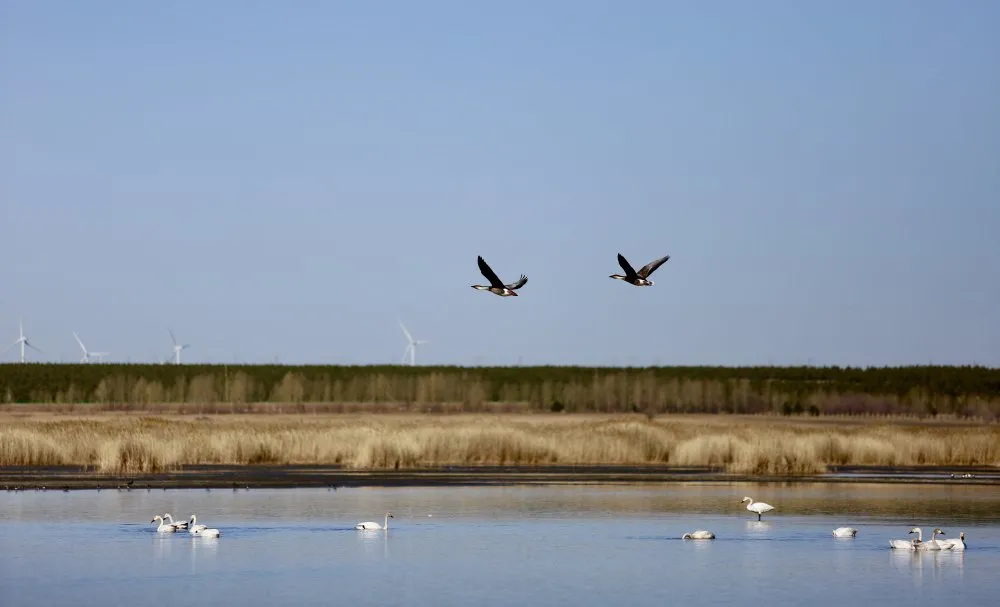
<point>86,355</point>
<point>23,341</point>
<point>177,348</point>
<point>411,346</point>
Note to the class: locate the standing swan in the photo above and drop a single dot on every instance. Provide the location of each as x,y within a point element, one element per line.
<point>701,534</point>
<point>845,532</point>
<point>368,525</point>
<point>163,527</point>
<point>757,508</point>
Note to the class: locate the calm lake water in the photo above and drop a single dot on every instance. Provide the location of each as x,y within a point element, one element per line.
<point>553,545</point>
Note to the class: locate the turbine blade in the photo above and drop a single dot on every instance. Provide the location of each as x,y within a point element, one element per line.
<point>408,336</point>
<point>82,347</point>
<point>11,346</point>
<point>174,339</point>
<point>33,348</point>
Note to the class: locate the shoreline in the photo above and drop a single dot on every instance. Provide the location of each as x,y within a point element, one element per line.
<point>242,478</point>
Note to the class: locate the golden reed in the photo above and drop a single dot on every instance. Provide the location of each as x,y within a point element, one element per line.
<point>127,444</point>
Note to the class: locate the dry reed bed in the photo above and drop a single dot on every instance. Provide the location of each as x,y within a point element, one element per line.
<point>152,444</point>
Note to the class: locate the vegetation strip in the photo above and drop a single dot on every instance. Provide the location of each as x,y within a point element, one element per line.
<point>759,446</point>
<point>924,390</point>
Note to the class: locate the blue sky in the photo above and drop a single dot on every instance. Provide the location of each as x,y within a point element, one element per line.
<point>285,180</point>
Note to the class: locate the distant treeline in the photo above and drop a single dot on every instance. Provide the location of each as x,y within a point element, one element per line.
<point>925,390</point>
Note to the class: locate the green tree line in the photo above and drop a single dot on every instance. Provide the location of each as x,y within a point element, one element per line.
<point>922,390</point>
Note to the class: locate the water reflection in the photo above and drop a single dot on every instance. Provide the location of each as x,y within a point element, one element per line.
<point>934,564</point>
<point>849,502</point>
<point>202,551</point>
<point>374,543</point>
<point>498,546</point>
<point>700,545</point>
<point>162,546</point>
<point>758,526</point>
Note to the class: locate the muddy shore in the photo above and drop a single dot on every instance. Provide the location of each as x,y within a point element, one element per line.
<point>332,477</point>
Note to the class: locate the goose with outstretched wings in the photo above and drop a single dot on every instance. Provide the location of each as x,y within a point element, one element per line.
<point>496,286</point>
<point>640,278</point>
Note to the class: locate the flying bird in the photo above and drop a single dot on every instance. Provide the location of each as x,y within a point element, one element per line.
<point>496,286</point>
<point>640,278</point>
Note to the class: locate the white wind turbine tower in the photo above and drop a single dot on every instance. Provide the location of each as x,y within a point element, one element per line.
<point>86,355</point>
<point>411,346</point>
<point>177,348</point>
<point>23,341</point>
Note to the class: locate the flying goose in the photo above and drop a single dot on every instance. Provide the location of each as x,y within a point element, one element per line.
<point>640,278</point>
<point>496,286</point>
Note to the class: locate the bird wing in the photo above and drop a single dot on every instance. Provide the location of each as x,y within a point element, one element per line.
<point>629,272</point>
<point>489,273</point>
<point>518,284</point>
<point>650,267</point>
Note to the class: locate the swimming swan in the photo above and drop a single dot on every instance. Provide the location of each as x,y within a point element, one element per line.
<point>757,508</point>
<point>908,544</point>
<point>934,544</point>
<point>193,527</point>
<point>368,525</point>
<point>845,532</point>
<point>208,533</point>
<point>162,527</point>
<point>956,544</point>
<point>701,534</point>
<point>180,525</point>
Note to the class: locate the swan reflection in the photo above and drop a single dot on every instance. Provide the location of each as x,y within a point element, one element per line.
<point>372,543</point>
<point>162,545</point>
<point>936,563</point>
<point>758,526</point>
<point>202,550</point>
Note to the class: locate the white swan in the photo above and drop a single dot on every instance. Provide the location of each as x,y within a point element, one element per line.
<point>180,525</point>
<point>845,532</point>
<point>907,544</point>
<point>368,525</point>
<point>933,543</point>
<point>162,527</point>
<point>757,508</point>
<point>701,534</point>
<point>193,527</point>
<point>955,543</point>
<point>208,532</point>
